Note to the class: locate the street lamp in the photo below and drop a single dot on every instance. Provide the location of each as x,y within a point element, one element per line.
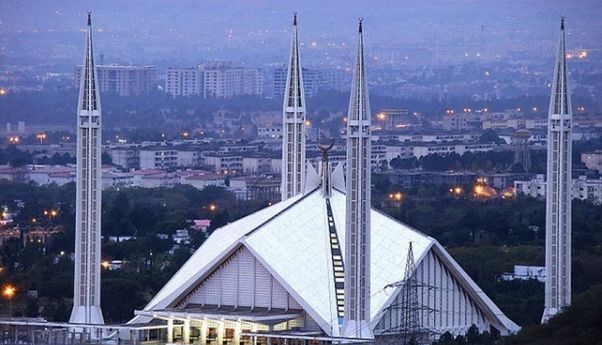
<point>396,196</point>
<point>9,292</point>
<point>41,137</point>
<point>455,191</point>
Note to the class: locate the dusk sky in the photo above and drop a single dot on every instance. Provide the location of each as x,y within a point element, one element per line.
<point>258,32</point>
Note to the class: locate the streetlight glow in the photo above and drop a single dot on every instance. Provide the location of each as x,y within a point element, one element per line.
<point>9,291</point>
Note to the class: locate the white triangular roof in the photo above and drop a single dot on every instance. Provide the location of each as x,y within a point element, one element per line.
<point>211,253</point>
<point>291,240</point>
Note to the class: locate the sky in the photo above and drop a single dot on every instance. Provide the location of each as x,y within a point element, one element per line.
<point>257,32</point>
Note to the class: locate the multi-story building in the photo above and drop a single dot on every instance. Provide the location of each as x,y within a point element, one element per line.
<point>257,164</point>
<point>115,179</point>
<point>314,80</point>
<point>185,82</point>
<point>423,149</point>
<point>158,158</point>
<point>461,121</point>
<point>202,180</point>
<point>125,157</point>
<point>215,79</point>
<point>582,188</point>
<point>270,132</point>
<point>125,80</point>
<point>224,163</point>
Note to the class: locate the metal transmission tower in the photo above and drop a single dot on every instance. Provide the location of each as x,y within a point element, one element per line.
<point>558,192</point>
<point>409,308</point>
<point>410,325</point>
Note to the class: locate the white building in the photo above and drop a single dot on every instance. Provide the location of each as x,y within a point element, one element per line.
<point>592,160</point>
<point>224,163</point>
<point>582,188</point>
<point>158,157</point>
<point>125,80</point>
<point>270,132</point>
<point>48,174</point>
<point>200,181</point>
<point>423,149</point>
<point>181,236</point>
<point>257,164</point>
<point>116,179</point>
<point>185,82</point>
<point>526,273</point>
<point>125,157</point>
<point>271,271</point>
<point>220,80</point>
<point>153,178</point>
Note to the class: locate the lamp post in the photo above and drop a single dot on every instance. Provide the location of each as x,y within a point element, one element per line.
<point>9,292</point>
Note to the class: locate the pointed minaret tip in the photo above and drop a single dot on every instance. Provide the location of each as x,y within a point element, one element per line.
<point>295,19</point>
<point>360,29</point>
<point>562,23</point>
<point>89,18</point>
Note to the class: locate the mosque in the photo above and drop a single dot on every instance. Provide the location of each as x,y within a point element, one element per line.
<point>321,266</point>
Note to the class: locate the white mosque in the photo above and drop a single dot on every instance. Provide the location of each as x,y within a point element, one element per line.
<point>322,265</point>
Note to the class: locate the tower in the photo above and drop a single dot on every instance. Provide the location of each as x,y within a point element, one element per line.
<point>558,192</point>
<point>357,228</point>
<point>410,326</point>
<point>293,122</point>
<point>86,298</point>
<point>520,141</point>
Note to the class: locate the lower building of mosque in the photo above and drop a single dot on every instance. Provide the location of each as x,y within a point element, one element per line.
<point>276,275</point>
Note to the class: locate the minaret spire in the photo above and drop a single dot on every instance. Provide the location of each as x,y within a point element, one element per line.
<point>293,122</point>
<point>86,298</point>
<point>558,189</point>
<point>357,225</point>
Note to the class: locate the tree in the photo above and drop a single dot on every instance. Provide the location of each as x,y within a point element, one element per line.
<point>490,136</point>
<point>32,309</point>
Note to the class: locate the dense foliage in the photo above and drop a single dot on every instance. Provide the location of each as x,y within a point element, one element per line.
<point>579,324</point>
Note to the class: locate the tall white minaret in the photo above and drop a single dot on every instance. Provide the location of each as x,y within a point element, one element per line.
<point>86,292</point>
<point>558,192</point>
<point>357,227</point>
<point>293,125</point>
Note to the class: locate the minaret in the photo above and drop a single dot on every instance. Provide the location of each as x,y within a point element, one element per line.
<point>86,293</point>
<point>558,192</point>
<point>357,227</point>
<point>293,125</point>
